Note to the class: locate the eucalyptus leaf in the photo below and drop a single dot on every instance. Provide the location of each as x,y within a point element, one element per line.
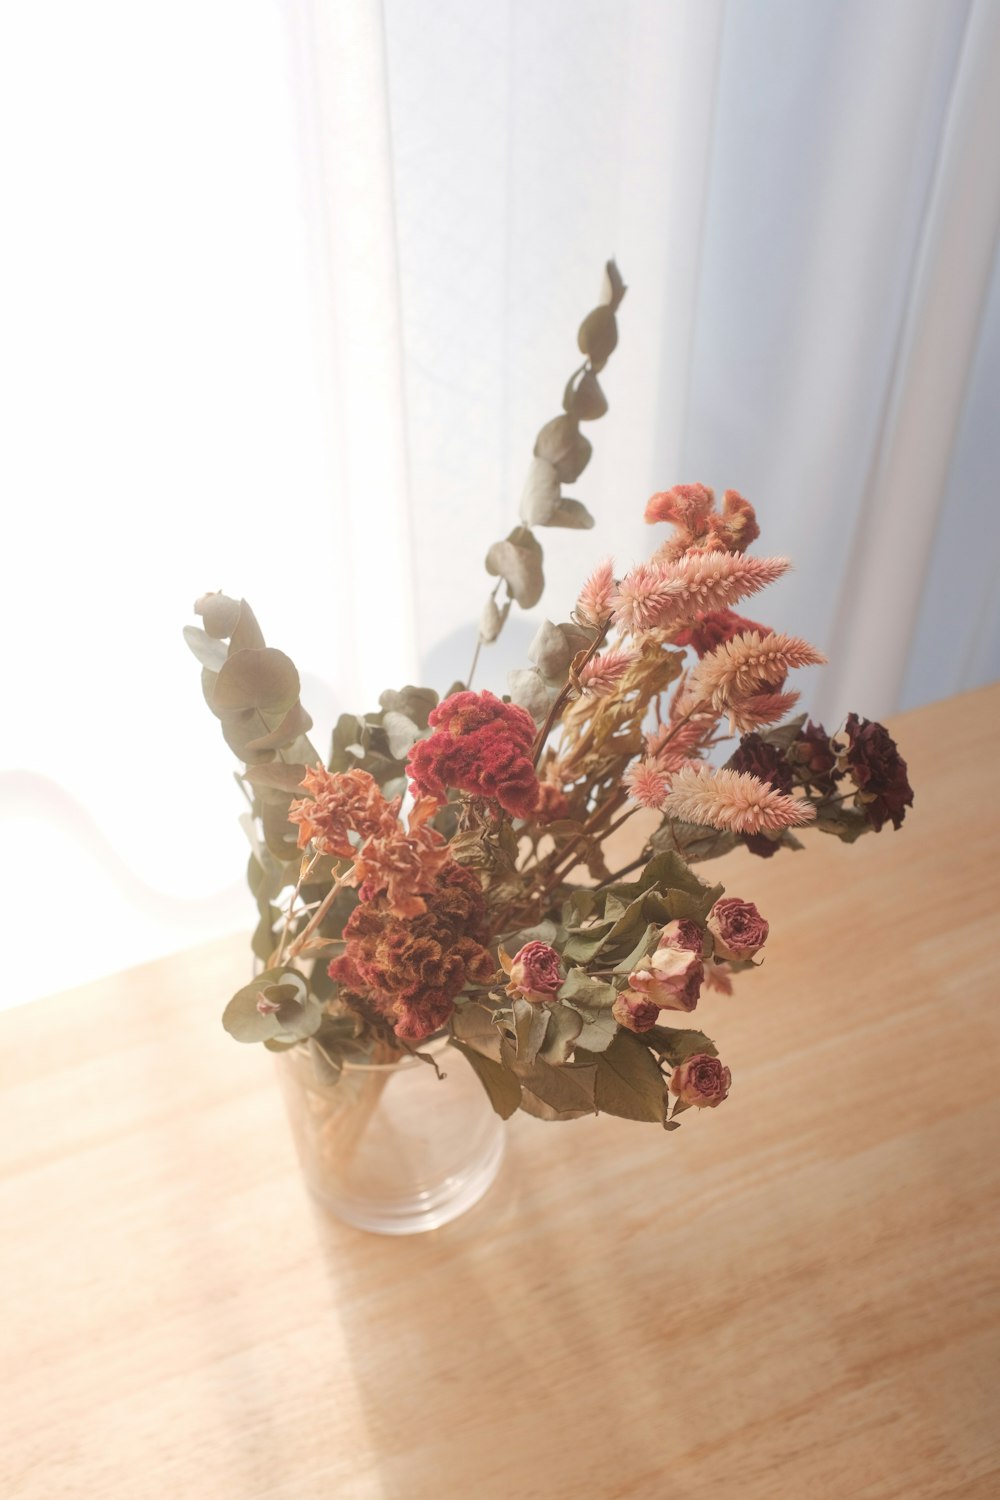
<point>278,775</point>
<point>571,515</point>
<point>209,651</point>
<point>401,733</point>
<point>598,336</point>
<point>246,634</point>
<point>518,561</point>
<point>492,620</point>
<point>564,446</point>
<point>220,614</point>
<point>529,690</point>
<point>613,288</point>
<point>583,397</point>
<point>295,723</point>
<point>416,703</point>
<point>262,678</point>
<point>541,494</point>
<point>550,651</point>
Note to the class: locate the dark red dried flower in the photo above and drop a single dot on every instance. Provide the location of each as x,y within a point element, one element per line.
<point>482,746</point>
<point>715,628</point>
<point>815,758</point>
<point>879,772</point>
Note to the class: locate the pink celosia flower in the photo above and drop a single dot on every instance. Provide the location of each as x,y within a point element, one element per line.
<point>647,783</point>
<point>732,801</point>
<point>602,673</point>
<point>535,973</point>
<point>665,596</point>
<point>482,746</point>
<point>736,527</point>
<point>749,664</point>
<point>670,745</point>
<point>701,1081</point>
<point>597,596</point>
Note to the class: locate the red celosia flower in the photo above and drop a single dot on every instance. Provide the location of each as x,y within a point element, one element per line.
<point>410,969</point>
<point>482,746</point>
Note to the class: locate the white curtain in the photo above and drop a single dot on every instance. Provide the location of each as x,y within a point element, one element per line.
<point>290,285</point>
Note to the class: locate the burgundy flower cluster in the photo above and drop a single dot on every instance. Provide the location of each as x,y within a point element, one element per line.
<point>482,746</point>
<point>878,771</point>
<point>757,757</point>
<point>411,969</point>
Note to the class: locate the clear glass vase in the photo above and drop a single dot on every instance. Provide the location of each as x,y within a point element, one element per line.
<point>391,1147</point>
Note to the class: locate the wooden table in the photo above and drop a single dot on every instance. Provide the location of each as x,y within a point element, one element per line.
<point>795,1295</point>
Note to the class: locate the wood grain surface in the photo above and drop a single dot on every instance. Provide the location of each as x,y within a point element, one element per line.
<point>795,1295</point>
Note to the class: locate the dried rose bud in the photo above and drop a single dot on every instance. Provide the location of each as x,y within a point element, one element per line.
<point>670,977</point>
<point>535,972</point>
<point>738,928</point>
<point>681,934</point>
<point>634,1011</point>
<point>701,1081</point>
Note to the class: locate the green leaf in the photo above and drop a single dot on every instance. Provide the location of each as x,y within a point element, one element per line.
<point>567,1090</point>
<point>565,1025</point>
<point>629,1081</point>
<point>501,1085</point>
<point>676,1044</point>
<point>580,988</point>
<point>298,1014</point>
<point>531,1022</point>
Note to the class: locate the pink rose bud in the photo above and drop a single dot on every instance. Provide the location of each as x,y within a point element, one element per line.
<point>681,934</point>
<point>535,973</point>
<point>738,928</point>
<point>634,1011</point>
<point>670,977</point>
<point>701,1081</point>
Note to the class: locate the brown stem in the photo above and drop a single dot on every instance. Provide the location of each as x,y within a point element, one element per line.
<point>304,874</point>
<point>319,913</point>
<point>566,691</point>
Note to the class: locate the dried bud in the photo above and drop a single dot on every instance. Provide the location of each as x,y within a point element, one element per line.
<point>634,1011</point>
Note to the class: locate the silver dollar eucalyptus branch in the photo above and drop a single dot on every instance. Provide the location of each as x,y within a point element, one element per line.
<point>561,454</point>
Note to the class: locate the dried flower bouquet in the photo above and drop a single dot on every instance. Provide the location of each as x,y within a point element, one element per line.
<point>447,869</point>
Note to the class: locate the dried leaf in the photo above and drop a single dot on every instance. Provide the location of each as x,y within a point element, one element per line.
<point>583,397</point>
<point>260,678</point>
<point>295,722</point>
<point>629,1081</point>
<point>541,494</point>
<point>492,620</point>
<point>220,614</point>
<point>564,446</point>
<point>401,733</point>
<point>550,651</point>
<point>571,515</point>
<point>209,651</point>
<point>530,1025</point>
<point>277,774</point>
<point>565,1025</point>
<point>529,690</point>
<point>500,1083</point>
<point>613,288</point>
<point>598,336</point>
<point>518,561</point>
<point>415,702</point>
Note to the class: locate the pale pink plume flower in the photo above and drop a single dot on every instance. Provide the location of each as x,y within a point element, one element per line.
<point>732,800</point>
<point>748,664</point>
<point>602,673</point>
<point>647,784</point>
<point>670,745</point>
<point>759,710</point>
<point>659,596</point>
<point>597,596</point>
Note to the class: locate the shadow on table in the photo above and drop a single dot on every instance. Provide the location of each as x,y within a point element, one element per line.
<point>502,1372</point>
